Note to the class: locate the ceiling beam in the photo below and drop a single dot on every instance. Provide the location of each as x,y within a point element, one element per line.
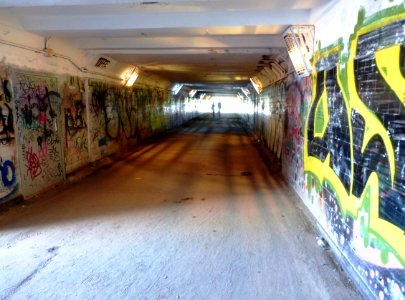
<point>41,21</point>
<point>182,43</point>
<point>186,51</point>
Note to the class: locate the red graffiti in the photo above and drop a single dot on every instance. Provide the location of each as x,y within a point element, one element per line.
<point>33,167</point>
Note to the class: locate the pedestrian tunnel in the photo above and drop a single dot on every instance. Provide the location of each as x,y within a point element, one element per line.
<point>202,150</point>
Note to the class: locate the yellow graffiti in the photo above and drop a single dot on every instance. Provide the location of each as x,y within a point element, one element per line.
<point>348,205</point>
<point>322,113</point>
<point>388,62</point>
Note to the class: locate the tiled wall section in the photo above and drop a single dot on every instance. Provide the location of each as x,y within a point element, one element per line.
<point>354,152</point>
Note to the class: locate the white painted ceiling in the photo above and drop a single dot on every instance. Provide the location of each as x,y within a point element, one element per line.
<point>214,41</point>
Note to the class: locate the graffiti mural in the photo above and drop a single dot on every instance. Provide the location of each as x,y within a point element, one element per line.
<point>143,102</point>
<point>38,109</point>
<point>8,184</point>
<point>113,111</point>
<point>271,118</point>
<point>75,115</point>
<point>6,113</point>
<point>354,150</point>
<point>121,117</point>
<point>299,94</point>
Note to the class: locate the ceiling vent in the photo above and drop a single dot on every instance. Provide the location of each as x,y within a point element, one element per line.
<point>299,40</point>
<point>102,62</point>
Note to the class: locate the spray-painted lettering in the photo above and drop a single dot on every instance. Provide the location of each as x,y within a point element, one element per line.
<point>354,151</point>
<point>34,168</point>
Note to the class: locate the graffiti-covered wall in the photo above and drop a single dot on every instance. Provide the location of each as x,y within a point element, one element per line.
<point>8,159</point>
<point>270,117</point>
<point>298,100</point>
<point>74,110</point>
<point>354,148</point>
<point>121,117</point>
<point>341,135</point>
<point>38,110</point>
<point>52,125</point>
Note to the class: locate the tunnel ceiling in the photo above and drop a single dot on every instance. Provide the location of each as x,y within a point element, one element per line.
<point>204,41</point>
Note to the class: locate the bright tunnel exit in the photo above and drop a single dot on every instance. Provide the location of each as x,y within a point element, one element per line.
<point>226,104</point>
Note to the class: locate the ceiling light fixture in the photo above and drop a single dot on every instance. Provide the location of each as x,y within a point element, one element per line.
<point>299,40</point>
<point>176,88</point>
<point>257,84</point>
<point>245,91</point>
<point>130,76</point>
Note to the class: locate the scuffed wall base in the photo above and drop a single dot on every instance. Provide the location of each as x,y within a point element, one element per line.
<point>342,262</point>
<point>12,202</point>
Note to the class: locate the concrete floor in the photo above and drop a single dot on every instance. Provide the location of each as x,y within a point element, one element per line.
<point>177,219</point>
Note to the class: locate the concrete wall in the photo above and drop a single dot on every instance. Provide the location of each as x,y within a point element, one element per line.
<point>343,147</point>
<point>354,152</point>
<point>297,102</point>
<point>60,113</point>
<point>9,184</point>
<point>270,116</point>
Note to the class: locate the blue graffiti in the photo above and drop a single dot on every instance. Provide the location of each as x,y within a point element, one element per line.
<point>102,142</point>
<point>8,176</point>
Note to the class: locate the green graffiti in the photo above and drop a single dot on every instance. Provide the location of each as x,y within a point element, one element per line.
<point>361,166</point>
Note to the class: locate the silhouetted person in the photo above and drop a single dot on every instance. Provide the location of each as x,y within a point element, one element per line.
<point>213,110</point>
<point>219,109</point>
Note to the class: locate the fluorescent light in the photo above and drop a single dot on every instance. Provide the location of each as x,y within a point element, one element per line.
<point>176,88</point>
<point>245,91</point>
<point>256,84</point>
<point>192,93</point>
<point>132,79</point>
<point>300,45</point>
<point>130,76</point>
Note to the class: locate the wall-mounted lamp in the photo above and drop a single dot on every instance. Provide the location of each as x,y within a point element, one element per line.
<point>257,84</point>
<point>299,40</point>
<point>245,91</point>
<point>176,88</point>
<point>130,76</point>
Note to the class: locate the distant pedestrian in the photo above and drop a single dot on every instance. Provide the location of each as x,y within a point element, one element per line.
<point>213,110</point>
<point>219,109</point>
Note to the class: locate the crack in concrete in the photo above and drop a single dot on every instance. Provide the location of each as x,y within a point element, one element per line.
<point>14,289</point>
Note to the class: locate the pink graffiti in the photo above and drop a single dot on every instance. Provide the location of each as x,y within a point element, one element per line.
<point>43,151</point>
<point>33,167</point>
<point>42,118</point>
